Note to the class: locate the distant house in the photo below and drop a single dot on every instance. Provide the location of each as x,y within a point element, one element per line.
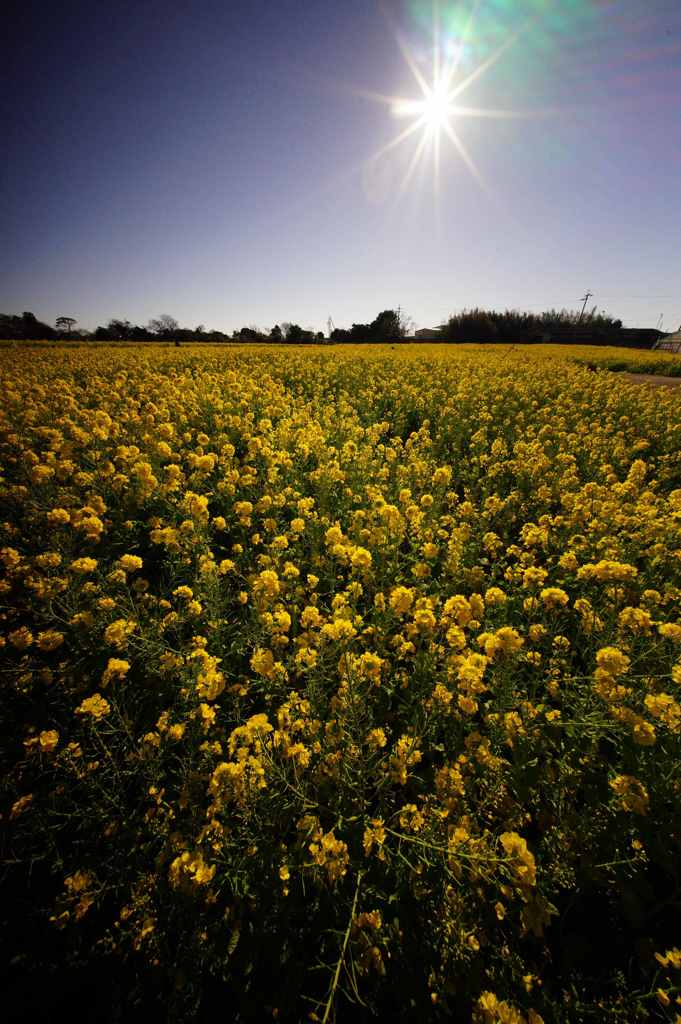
<point>428,334</point>
<point>571,334</point>
<point>589,334</point>
<point>669,343</point>
<point>640,337</point>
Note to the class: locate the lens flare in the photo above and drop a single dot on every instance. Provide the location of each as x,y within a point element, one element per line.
<point>436,107</point>
<point>436,110</point>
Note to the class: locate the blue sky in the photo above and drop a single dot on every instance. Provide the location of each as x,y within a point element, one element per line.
<point>213,161</point>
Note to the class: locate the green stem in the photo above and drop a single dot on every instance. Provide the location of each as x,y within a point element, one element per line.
<point>334,986</point>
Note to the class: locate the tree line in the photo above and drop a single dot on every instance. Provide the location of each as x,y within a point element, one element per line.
<point>471,325</point>
<point>388,326</point>
<point>489,326</point>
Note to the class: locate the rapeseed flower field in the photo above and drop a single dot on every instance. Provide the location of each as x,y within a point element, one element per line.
<point>343,684</point>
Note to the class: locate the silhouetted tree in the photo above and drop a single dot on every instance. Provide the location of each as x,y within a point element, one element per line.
<point>120,330</point>
<point>248,334</point>
<point>512,326</point>
<point>165,326</point>
<point>294,333</point>
<point>217,337</point>
<point>386,327</point>
<point>389,325</point>
<point>24,328</point>
<point>359,333</point>
<point>470,325</point>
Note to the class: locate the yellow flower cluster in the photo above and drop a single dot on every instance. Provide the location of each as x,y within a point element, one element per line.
<point>390,643</point>
<point>95,707</point>
<point>190,867</point>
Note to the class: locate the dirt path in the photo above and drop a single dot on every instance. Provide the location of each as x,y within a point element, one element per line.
<point>653,379</point>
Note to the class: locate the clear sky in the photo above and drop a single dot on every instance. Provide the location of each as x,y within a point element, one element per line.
<point>215,160</point>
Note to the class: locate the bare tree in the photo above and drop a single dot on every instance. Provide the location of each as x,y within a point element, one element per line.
<point>405,322</point>
<point>164,326</point>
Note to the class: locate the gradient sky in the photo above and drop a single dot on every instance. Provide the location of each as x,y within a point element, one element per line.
<point>211,160</point>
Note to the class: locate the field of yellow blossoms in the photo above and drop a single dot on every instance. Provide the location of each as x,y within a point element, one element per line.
<point>340,685</point>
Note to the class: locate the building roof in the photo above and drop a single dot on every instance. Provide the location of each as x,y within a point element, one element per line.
<point>672,343</point>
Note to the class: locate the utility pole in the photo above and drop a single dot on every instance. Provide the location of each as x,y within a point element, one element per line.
<point>588,296</point>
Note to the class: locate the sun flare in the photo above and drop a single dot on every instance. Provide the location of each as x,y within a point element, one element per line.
<point>435,112</point>
<point>436,107</point>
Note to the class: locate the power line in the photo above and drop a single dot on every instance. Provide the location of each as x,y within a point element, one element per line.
<point>620,298</point>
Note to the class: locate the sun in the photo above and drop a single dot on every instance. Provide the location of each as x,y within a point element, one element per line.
<point>433,111</point>
<point>434,114</point>
<point>436,107</point>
